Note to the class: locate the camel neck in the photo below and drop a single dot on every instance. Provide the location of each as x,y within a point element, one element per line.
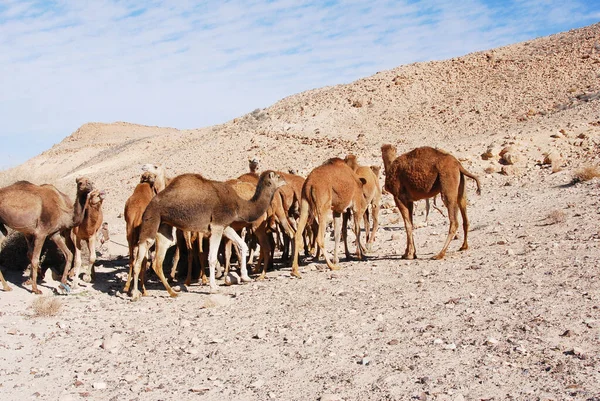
<point>78,208</point>
<point>258,205</point>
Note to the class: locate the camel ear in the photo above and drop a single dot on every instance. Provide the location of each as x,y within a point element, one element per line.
<point>363,180</point>
<point>102,194</point>
<point>271,174</point>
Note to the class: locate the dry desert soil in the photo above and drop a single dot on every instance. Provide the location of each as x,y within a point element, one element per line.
<point>515,317</point>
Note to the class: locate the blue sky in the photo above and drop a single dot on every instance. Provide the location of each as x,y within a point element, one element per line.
<point>188,64</point>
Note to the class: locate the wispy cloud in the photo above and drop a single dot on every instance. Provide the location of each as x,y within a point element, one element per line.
<point>188,65</point>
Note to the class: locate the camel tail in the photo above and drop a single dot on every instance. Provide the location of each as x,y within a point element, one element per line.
<point>3,229</point>
<point>473,176</point>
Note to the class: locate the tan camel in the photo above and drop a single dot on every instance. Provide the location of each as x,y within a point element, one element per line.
<point>252,176</point>
<point>41,211</point>
<point>161,180</point>
<point>86,232</point>
<point>423,173</point>
<point>258,227</point>
<point>193,203</point>
<point>331,187</point>
<point>134,209</point>
<point>372,193</point>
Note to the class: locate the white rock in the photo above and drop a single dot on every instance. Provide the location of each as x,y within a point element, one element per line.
<point>129,378</point>
<point>491,341</point>
<point>258,384</point>
<point>450,347</point>
<point>331,397</point>
<point>99,386</point>
<point>438,341</point>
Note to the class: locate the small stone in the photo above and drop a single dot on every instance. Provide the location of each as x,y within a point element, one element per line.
<point>200,390</point>
<point>217,341</point>
<point>365,361</point>
<point>450,347</point>
<point>185,323</point>
<point>97,343</point>
<point>591,323</point>
<point>438,341</point>
<point>567,333</point>
<point>520,350</point>
<point>129,378</point>
<point>61,325</point>
<point>12,331</point>
<point>260,335</point>
<point>99,386</point>
<point>258,384</point>
<point>510,252</point>
<point>459,397</point>
<point>308,341</point>
<point>396,237</point>
<point>491,341</point>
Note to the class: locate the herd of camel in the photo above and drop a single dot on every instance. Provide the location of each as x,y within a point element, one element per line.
<point>271,207</point>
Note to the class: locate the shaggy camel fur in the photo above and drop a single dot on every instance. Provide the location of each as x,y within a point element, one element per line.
<point>372,193</point>
<point>193,203</point>
<point>423,173</point>
<point>134,209</point>
<point>331,187</point>
<point>86,232</point>
<point>41,211</point>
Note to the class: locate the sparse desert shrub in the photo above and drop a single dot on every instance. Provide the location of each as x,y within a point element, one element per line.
<point>586,173</point>
<point>46,306</point>
<point>556,216</point>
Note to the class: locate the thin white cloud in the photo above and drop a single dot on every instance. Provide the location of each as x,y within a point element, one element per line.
<point>188,65</point>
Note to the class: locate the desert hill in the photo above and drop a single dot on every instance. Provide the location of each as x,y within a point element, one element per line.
<point>510,94</point>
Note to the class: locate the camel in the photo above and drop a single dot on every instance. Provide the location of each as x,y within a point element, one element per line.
<point>86,232</point>
<point>423,173</point>
<point>252,176</point>
<point>193,203</point>
<point>39,212</point>
<point>160,180</point>
<point>134,209</point>
<point>333,187</point>
<point>258,227</point>
<point>372,193</point>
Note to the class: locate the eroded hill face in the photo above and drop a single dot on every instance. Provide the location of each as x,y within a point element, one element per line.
<point>539,97</point>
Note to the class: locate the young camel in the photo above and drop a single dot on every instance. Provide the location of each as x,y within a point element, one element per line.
<point>86,232</point>
<point>41,211</point>
<point>333,187</point>
<point>134,209</point>
<point>372,193</point>
<point>193,203</point>
<point>423,173</point>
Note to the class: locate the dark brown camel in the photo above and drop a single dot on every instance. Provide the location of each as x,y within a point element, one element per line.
<point>39,212</point>
<point>423,173</point>
<point>193,203</point>
<point>86,232</point>
<point>331,187</point>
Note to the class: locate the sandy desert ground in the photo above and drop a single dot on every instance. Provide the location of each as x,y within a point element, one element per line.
<point>516,317</point>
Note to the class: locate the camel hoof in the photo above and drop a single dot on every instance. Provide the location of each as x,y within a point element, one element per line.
<point>36,291</point>
<point>135,295</point>
<point>187,283</point>
<point>246,279</point>
<point>87,278</point>
<point>173,294</point>
<point>214,290</point>
<point>227,282</point>
<point>438,257</point>
<point>27,282</point>
<point>334,267</point>
<point>296,274</point>
<point>464,248</point>
<point>7,288</point>
<point>261,277</point>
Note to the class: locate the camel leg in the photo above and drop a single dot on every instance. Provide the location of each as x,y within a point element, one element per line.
<point>59,240</point>
<point>265,249</point>
<point>139,263</point>
<point>406,212</point>
<point>38,243</point>
<point>321,238</point>
<point>203,261</point>
<point>77,261</point>
<point>367,224</point>
<point>376,205</point>
<point>452,206</point>
<point>213,251</point>
<point>337,231</point>
<point>462,205</point>
<point>344,234</point>
<point>2,238</point>
<point>298,236</point>
<point>227,258</point>
<point>132,252</point>
<point>91,242</point>
<point>242,249</point>
<point>360,250</point>
<point>164,240</point>
<point>191,256</point>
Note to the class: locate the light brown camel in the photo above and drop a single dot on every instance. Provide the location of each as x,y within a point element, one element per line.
<point>331,187</point>
<point>258,227</point>
<point>372,193</point>
<point>86,232</point>
<point>252,176</point>
<point>161,180</point>
<point>423,173</point>
<point>134,209</point>
<point>193,203</point>
<point>41,211</point>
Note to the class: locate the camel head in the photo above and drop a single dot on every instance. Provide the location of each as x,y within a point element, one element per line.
<point>352,162</point>
<point>148,177</point>
<point>84,185</point>
<point>253,164</point>
<point>157,169</point>
<point>376,170</point>
<point>96,197</point>
<point>388,154</point>
<point>270,178</point>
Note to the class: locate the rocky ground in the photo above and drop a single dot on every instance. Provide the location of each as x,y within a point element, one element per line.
<point>514,317</point>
